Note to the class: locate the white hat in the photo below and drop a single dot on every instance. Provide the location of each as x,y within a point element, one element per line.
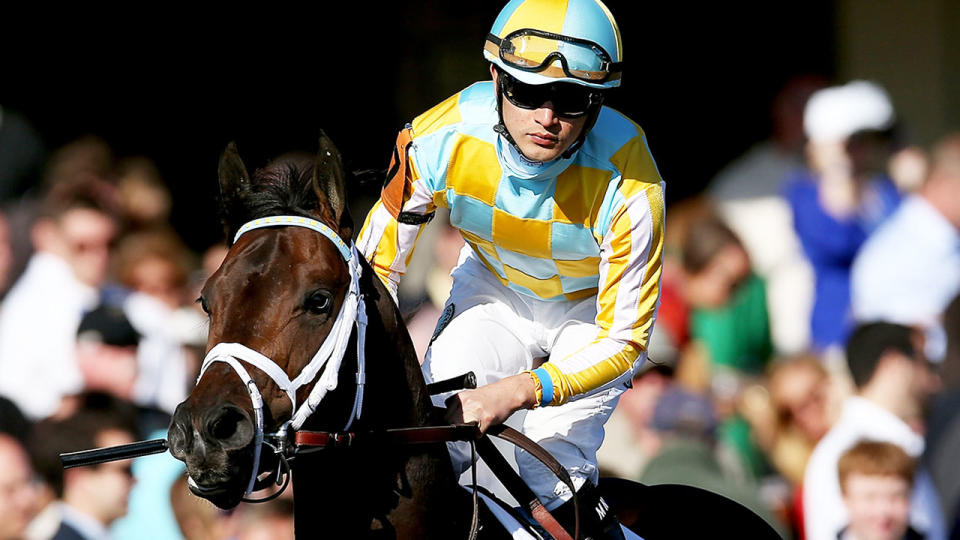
<point>835,113</point>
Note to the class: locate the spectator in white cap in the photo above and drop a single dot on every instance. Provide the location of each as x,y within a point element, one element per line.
<point>843,195</point>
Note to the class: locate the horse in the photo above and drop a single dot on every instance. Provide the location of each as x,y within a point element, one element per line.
<point>277,304</point>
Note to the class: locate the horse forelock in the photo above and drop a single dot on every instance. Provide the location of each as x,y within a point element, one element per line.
<point>283,187</point>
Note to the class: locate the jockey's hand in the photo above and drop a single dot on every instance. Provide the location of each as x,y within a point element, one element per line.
<point>492,404</point>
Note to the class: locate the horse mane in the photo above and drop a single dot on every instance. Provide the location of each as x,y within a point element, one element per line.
<point>283,187</point>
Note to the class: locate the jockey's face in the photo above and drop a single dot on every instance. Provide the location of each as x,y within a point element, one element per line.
<point>540,133</point>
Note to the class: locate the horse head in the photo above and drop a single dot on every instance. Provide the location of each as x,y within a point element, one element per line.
<point>278,294</point>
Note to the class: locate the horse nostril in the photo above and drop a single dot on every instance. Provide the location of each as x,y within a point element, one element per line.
<point>230,427</point>
<point>178,435</point>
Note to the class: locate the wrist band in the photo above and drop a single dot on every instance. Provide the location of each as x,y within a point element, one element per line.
<point>546,384</point>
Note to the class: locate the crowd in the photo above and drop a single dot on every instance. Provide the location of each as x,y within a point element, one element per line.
<point>806,337</point>
<point>805,361</point>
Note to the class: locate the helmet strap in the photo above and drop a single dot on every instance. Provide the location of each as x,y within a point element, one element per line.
<point>587,126</point>
<point>501,128</point>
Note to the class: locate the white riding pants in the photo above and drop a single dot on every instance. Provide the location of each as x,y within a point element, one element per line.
<point>495,332</point>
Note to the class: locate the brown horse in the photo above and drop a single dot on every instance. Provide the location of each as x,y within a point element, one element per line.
<point>278,292</point>
<point>274,303</point>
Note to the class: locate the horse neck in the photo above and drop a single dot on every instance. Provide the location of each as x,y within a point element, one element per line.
<point>411,490</point>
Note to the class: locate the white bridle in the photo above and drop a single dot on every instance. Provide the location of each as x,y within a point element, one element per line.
<point>331,352</point>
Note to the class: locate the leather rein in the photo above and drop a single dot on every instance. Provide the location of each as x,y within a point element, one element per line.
<point>290,441</point>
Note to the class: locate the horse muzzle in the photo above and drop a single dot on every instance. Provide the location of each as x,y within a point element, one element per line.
<point>215,446</point>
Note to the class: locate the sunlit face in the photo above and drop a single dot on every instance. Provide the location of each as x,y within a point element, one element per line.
<point>17,492</point>
<point>803,394</point>
<point>878,506</point>
<point>540,133</point>
<point>110,483</point>
<point>157,277</point>
<point>87,235</point>
<point>712,286</point>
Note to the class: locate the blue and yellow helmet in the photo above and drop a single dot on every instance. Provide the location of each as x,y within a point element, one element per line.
<point>546,41</point>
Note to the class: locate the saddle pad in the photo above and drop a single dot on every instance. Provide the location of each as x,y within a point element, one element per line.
<point>517,530</point>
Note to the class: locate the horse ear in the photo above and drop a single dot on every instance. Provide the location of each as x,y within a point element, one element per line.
<point>234,177</point>
<point>328,179</point>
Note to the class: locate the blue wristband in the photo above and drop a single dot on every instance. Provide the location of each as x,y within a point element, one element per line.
<point>546,385</point>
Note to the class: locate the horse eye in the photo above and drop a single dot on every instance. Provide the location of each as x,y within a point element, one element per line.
<point>318,302</point>
<point>203,305</point>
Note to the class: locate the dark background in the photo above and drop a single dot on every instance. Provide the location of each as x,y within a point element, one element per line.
<point>176,87</point>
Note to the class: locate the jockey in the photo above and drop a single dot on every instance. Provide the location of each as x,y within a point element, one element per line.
<point>561,206</point>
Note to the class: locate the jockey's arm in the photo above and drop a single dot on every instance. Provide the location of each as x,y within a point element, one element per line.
<point>393,225</point>
<point>630,267</point>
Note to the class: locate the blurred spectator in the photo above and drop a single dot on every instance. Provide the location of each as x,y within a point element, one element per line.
<point>150,515</point>
<point>92,497</point>
<point>894,382</point>
<point>724,304</point>
<point>155,265</point>
<point>38,324</point>
<point>799,389</point>
<point>727,302</point>
<point>21,155</point>
<point>628,440</point>
<point>17,493</point>
<point>270,521</point>
<point>145,200</point>
<point>876,479</point>
<point>6,254</point>
<point>843,196</point>
<point>79,161</point>
<point>788,418</point>
<point>197,518</point>
<point>673,315</point>
<point>747,194</point>
<point>12,421</point>
<point>910,269</point>
<point>685,426</point>
<point>107,351</point>
<point>943,434</point>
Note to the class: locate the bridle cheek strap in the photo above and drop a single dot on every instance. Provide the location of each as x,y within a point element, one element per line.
<point>257,400</point>
<point>352,312</point>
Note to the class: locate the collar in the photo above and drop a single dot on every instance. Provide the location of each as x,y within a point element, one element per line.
<point>516,165</point>
<point>86,525</point>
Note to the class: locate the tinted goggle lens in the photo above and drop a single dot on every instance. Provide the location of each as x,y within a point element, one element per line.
<point>567,99</point>
<point>554,55</point>
<point>531,51</point>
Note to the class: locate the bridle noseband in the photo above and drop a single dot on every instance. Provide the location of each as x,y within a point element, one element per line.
<point>330,354</point>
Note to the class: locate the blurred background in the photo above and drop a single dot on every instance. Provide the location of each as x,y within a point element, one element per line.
<point>112,123</point>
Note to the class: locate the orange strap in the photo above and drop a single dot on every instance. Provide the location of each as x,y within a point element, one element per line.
<point>397,187</point>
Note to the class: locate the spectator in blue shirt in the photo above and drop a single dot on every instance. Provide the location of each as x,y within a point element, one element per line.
<point>842,196</point>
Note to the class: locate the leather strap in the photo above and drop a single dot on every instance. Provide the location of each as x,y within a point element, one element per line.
<point>518,488</point>
<point>392,437</point>
<point>485,448</point>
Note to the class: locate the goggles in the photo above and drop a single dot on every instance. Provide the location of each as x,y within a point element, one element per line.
<point>537,51</point>
<point>567,99</point>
